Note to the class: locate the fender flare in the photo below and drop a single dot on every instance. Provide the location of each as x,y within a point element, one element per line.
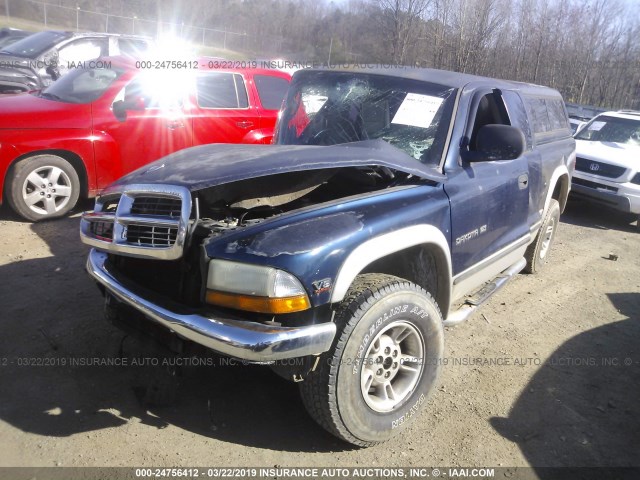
<point>553,182</point>
<point>384,245</point>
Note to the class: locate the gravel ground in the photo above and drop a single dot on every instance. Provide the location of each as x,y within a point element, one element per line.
<point>546,374</point>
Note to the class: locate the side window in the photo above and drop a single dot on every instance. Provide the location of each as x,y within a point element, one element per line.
<point>547,115</point>
<point>557,113</point>
<point>221,90</point>
<point>538,110</point>
<point>83,50</point>
<point>241,90</point>
<point>491,111</point>
<point>130,46</point>
<point>518,115</point>
<point>271,91</point>
<point>146,89</point>
<point>135,91</point>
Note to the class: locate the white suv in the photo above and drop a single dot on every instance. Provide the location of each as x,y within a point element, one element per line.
<point>608,161</point>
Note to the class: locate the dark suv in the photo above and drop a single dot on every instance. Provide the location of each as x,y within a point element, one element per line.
<point>40,59</point>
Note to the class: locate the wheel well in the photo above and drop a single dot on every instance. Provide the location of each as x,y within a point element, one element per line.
<point>424,265</point>
<point>75,161</point>
<point>561,191</point>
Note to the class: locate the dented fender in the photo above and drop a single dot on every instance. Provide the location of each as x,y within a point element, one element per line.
<point>315,243</point>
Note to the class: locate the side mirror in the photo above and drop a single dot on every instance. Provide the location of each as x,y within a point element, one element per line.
<point>52,63</point>
<point>496,142</point>
<point>53,72</point>
<point>121,107</point>
<point>119,110</point>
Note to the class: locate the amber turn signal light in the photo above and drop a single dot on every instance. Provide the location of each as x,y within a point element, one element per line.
<point>250,303</point>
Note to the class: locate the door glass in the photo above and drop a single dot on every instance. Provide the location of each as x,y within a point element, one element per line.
<point>129,46</point>
<point>271,91</point>
<point>155,90</point>
<point>221,90</point>
<point>518,115</point>
<point>491,111</point>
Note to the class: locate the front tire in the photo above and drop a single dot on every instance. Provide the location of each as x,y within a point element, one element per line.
<point>43,187</point>
<point>384,363</point>
<point>537,254</point>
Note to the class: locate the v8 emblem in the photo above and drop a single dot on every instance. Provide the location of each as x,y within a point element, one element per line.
<point>320,286</point>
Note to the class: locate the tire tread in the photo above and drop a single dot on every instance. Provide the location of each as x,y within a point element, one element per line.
<point>318,395</point>
<point>531,254</point>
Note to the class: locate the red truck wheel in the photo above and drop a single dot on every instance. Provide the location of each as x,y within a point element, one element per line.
<point>43,187</point>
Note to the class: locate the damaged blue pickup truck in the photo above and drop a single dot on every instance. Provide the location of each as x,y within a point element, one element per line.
<point>393,203</point>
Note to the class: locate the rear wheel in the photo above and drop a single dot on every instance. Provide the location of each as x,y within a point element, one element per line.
<point>537,254</point>
<point>384,363</point>
<point>43,187</point>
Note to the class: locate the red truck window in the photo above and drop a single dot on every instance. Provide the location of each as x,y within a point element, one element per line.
<point>271,91</point>
<point>221,90</point>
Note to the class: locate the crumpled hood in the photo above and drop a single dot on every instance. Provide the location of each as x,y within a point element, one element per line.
<point>19,70</point>
<point>210,165</point>
<point>9,61</point>
<point>32,112</point>
<point>609,152</point>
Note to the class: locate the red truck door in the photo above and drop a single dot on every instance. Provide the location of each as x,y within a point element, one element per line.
<point>147,119</point>
<point>223,110</point>
<point>270,90</point>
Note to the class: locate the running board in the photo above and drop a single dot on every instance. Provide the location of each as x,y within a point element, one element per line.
<point>481,296</point>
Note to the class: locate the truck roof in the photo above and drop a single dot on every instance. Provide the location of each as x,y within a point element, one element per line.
<point>444,77</point>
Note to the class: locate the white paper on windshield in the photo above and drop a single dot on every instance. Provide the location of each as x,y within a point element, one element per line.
<point>597,125</point>
<point>313,103</point>
<point>417,110</point>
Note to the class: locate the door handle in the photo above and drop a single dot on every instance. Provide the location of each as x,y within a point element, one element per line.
<point>172,125</point>
<point>244,124</point>
<point>523,181</point>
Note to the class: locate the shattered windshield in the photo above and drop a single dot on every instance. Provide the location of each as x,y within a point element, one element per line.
<point>611,129</point>
<point>329,108</point>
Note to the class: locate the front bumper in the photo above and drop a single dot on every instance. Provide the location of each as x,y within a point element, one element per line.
<point>246,340</point>
<point>624,197</point>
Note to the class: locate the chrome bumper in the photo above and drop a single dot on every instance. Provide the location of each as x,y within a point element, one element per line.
<point>246,340</point>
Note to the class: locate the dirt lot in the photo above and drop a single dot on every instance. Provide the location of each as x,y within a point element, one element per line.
<point>548,374</point>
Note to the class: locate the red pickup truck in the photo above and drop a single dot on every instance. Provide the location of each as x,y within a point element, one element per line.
<point>114,115</point>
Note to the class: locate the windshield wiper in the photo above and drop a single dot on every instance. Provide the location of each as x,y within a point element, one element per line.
<point>52,96</point>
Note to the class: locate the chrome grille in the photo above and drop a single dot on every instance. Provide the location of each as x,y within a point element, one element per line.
<point>102,230</point>
<point>152,236</point>
<point>601,169</point>
<point>169,207</point>
<point>145,221</point>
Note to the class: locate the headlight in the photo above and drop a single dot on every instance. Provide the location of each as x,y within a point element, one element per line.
<point>254,288</point>
<point>636,179</point>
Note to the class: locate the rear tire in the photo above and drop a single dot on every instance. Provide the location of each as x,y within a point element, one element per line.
<point>384,363</point>
<point>537,254</point>
<point>43,187</point>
